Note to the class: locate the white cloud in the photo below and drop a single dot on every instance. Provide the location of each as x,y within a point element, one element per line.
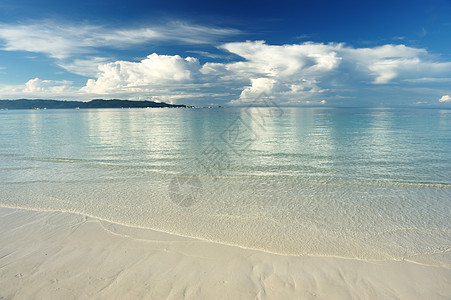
<point>88,66</point>
<point>37,85</point>
<point>445,98</point>
<point>155,70</point>
<point>305,71</point>
<point>289,71</point>
<point>284,61</point>
<point>10,91</point>
<point>385,63</point>
<point>258,86</point>
<point>65,40</point>
<point>41,88</point>
<point>76,47</point>
<point>291,74</point>
<point>48,38</point>
<point>295,74</point>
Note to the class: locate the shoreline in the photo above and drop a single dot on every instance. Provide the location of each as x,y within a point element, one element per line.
<point>60,254</point>
<point>177,235</point>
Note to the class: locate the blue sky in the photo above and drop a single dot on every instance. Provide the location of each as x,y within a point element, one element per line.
<point>348,53</point>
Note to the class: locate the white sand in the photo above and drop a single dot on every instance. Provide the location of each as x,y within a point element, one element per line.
<point>51,255</point>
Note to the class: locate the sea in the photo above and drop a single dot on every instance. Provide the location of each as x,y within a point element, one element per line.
<point>361,183</point>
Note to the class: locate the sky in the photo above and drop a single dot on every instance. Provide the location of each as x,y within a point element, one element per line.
<point>298,53</point>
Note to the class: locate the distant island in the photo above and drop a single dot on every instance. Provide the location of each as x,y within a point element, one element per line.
<point>96,103</point>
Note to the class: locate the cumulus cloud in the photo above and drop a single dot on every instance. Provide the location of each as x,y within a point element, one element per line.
<point>445,98</point>
<point>150,72</point>
<point>304,73</point>
<point>384,63</point>
<point>37,85</point>
<point>289,72</point>
<point>283,61</point>
<point>41,88</point>
<point>258,86</point>
<point>292,74</point>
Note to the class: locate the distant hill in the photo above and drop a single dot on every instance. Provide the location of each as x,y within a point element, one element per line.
<point>96,103</point>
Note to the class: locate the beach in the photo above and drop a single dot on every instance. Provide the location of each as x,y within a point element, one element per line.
<point>173,204</point>
<point>69,256</point>
<point>225,150</point>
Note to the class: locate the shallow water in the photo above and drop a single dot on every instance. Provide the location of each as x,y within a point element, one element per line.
<point>357,183</point>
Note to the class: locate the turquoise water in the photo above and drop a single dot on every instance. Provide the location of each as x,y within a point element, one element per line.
<point>347,182</point>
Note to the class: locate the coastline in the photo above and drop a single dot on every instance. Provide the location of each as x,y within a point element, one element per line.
<point>56,254</point>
